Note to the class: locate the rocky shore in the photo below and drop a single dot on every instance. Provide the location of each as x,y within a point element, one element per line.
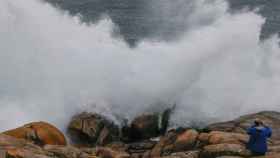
<point>93,136</point>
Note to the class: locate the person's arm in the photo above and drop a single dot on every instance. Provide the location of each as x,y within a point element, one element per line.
<point>268,132</point>
<point>250,130</point>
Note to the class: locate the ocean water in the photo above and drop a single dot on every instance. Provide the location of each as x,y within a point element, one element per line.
<point>197,54</point>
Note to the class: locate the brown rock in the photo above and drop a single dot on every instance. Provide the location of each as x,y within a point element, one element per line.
<point>272,155</point>
<point>109,153</point>
<point>165,146</point>
<point>91,129</point>
<point>20,148</point>
<point>23,153</point>
<point>187,154</point>
<point>217,137</point>
<point>186,140</point>
<point>64,151</point>
<point>40,133</point>
<point>204,137</point>
<point>213,151</point>
<point>118,146</point>
<point>274,149</point>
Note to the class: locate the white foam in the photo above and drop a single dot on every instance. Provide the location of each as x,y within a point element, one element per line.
<point>53,66</point>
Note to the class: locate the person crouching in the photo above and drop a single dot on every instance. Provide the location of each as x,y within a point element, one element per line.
<point>259,133</point>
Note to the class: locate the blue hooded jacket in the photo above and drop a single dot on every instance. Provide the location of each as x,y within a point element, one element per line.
<point>258,137</point>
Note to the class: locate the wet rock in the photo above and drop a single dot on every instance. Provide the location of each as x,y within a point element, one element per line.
<point>92,129</point>
<point>140,147</point>
<point>147,126</point>
<point>40,133</point>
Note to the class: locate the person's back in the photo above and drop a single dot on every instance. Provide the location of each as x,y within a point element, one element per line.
<point>258,137</point>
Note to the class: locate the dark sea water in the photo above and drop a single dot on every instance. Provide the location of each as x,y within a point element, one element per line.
<point>135,19</point>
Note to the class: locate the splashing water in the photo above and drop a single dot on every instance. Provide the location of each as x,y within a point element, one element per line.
<point>52,66</point>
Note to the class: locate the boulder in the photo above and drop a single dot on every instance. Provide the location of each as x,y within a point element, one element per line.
<point>186,140</point>
<point>203,139</point>
<point>92,129</point>
<point>240,125</point>
<point>165,146</point>
<point>217,137</point>
<point>213,151</point>
<point>40,133</point>
<point>147,126</point>
<point>175,141</point>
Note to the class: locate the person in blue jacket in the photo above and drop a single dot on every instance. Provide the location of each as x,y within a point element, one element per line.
<point>259,133</point>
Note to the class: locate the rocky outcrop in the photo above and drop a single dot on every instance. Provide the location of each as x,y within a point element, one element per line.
<point>20,148</point>
<point>239,125</point>
<point>12,147</point>
<point>179,143</point>
<point>92,129</point>
<point>40,133</point>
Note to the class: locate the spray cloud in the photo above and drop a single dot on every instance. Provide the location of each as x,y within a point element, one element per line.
<point>52,66</point>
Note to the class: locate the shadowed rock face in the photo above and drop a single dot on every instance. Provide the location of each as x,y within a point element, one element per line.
<point>92,129</point>
<point>136,20</point>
